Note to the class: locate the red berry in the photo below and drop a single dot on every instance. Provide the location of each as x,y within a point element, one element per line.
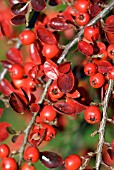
<point>26,166</point>
<point>92,115</point>
<point>28,66</point>
<point>110,74</point>
<point>82,19</point>
<point>90,69</point>
<point>81,6</point>
<point>27,37</point>
<point>54,92</point>
<point>91,33</point>
<point>97,80</point>
<point>110,51</point>
<point>73,162</point>
<point>16,71</point>
<point>48,113</point>
<point>50,132</point>
<point>31,154</point>
<point>4,151</point>
<point>50,51</point>
<point>9,164</point>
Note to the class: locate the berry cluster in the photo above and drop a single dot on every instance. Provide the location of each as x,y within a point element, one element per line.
<point>44,84</point>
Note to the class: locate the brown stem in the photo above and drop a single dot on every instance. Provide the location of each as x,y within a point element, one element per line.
<point>103,125</point>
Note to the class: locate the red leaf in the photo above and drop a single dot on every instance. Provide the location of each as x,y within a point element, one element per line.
<point>85,48</point>
<point>34,107</point>
<point>19,8</point>
<point>6,64</point>
<point>50,69</point>
<point>14,55</point>
<point>109,37</point>
<point>38,5</point>
<point>64,67</point>
<point>51,159</point>
<point>111,154</point>
<point>74,94</point>
<point>18,20</point>
<point>5,87</point>
<point>104,66</point>
<point>3,132</point>
<point>46,36</point>
<point>34,54</point>
<point>65,82</point>
<point>6,28</point>
<point>18,102</point>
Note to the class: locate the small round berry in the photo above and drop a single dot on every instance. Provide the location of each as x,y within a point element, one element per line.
<point>16,71</point>
<point>110,74</point>
<point>27,37</point>
<point>4,151</point>
<point>82,18</point>
<point>110,51</point>
<point>9,164</point>
<point>90,69</point>
<point>73,162</point>
<point>81,6</point>
<point>28,66</point>
<point>31,154</point>
<point>48,113</point>
<point>91,33</point>
<point>97,80</point>
<point>27,166</point>
<point>92,115</point>
<point>50,51</point>
<point>50,132</point>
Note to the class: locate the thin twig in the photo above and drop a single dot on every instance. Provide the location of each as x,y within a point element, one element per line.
<point>103,125</point>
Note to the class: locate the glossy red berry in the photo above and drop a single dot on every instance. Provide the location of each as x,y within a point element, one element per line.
<point>54,92</point>
<point>97,80</point>
<point>9,164</point>
<point>73,162</point>
<point>28,66</point>
<point>91,33</point>
<point>110,74</point>
<point>27,166</point>
<point>16,71</point>
<point>81,6</point>
<point>110,51</point>
<point>48,113</point>
<point>82,19</point>
<point>50,132</point>
<point>92,115</point>
<point>27,37</point>
<point>90,69</point>
<point>50,51</point>
<point>4,151</point>
<point>31,154</point>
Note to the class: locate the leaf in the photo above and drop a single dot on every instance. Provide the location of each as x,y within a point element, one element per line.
<point>10,130</point>
<point>6,28</point>
<point>34,107</point>
<point>59,24</point>
<point>70,107</point>
<point>18,102</point>
<point>50,70</point>
<point>38,5</point>
<point>5,87</point>
<point>19,9</point>
<point>65,82</point>
<point>1,112</point>
<point>34,54</point>
<point>64,67</point>
<point>95,9</point>
<point>14,55</point>
<point>3,132</point>
<point>6,64</point>
<point>74,94</point>
<point>46,36</point>
<point>109,37</point>
<point>12,2</point>
<point>18,20</point>
<point>14,138</point>
<point>111,154</point>
<point>85,48</point>
<point>104,66</point>
<point>51,159</point>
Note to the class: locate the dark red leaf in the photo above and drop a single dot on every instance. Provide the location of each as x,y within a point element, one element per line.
<point>34,54</point>
<point>10,130</point>
<point>5,87</point>
<point>45,35</point>
<point>104,66</point>
<point>33,72</point>
<point>20,8</point>
<point>111,154</point>
<point>59,24</point>
<point>38,5</point>
<point>6,64</point>
<point>26,93</point>
<point>18,20</point>
<point>109,37</point>
<point>34,107</point>
<point>85,48</point>
<point>3,132</point>
<point>95,9</point>
<point>50,70</point>
<point>14,55</point>
<point>12,2</point>
<point>65,82</point>
<point>18,102</point>
<point>64,67</point>
<point>51,159</point>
